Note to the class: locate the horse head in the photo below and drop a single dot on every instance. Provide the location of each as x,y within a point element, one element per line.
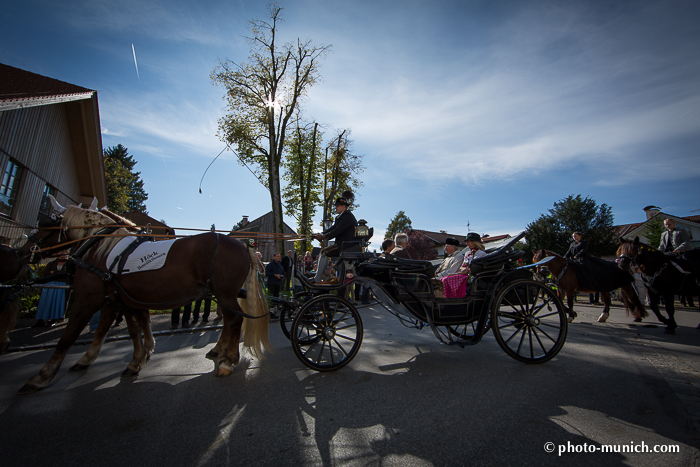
<point>633,253</point>
<point>538,255</point>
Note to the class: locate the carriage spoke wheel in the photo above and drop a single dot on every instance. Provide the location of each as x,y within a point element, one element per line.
<point>458,332</point>
<point>290,310</point>
<point>529,322</point>
<point>326,333</point>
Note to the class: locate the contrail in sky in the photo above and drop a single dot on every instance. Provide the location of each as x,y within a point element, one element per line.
<point>136,64</point>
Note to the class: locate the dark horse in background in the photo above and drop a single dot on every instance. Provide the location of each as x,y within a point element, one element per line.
<point>194,265</point>
<point>568,281</point>
<point>661,276</point>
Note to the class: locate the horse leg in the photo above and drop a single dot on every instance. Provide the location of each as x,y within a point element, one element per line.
<point>231,356</point>
<point>220,346</point>
<point>8,319</point>
<point>134,323</point>
<point>670,310</point>
<point>80,314</point>
<point>107,316</point>
<point>605,296</point>
<point>654,305</point>
<point>149,342</point>
<point>570,302</point>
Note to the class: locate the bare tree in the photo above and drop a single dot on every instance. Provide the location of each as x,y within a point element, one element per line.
<point>262,96</point>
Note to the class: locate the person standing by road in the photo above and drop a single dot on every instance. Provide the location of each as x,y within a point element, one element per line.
<point>287,262</point>
<point>275,274</point>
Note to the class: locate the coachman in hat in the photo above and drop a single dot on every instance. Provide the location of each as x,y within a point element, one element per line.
<point>342,230</point>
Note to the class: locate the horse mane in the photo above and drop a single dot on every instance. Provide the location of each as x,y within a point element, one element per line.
<point>117,218</point>
<point>92,221</point>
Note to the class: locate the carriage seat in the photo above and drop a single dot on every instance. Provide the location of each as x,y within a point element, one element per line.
<point>392,263</point>
<point>499,257</point>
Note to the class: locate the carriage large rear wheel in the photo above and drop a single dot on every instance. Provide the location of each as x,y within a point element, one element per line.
<point>290,309</point>
<point>326,333</point>
<point>529,321</point>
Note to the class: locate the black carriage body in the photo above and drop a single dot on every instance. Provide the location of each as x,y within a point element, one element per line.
<point>527,318</point>
<point>408,283</point>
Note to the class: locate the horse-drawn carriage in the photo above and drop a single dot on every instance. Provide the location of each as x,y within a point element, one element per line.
<point>527,318</point>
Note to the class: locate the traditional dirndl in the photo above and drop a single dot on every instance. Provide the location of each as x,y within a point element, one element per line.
<point>455,286</point>
<point>52,303</point>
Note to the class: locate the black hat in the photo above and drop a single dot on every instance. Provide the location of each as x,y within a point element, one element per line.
<point>341,201</point>
<point>452,241</point>
<point>474,237</point>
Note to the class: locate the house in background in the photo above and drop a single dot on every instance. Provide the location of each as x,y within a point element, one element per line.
<point>144,220</point>
<point>259,230</point>
<point>691,224</point>
<point>50,143</point>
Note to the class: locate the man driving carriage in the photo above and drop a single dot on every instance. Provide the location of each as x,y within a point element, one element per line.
<point>342,230</point>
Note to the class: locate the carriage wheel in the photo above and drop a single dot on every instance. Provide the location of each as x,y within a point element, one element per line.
<point>458,332</point>
<point>326,333</point>
<point>529,322</point>
<point>290,310</point>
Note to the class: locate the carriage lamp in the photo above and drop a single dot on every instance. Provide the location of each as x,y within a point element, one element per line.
<point>327,223</point>
<point>362,230</point>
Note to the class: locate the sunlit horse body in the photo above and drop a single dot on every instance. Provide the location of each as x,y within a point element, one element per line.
<point>194,264</point>
<point>660,275</point>
<point>567,282</point>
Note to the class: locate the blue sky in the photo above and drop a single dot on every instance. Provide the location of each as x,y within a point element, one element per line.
<point>479,112</point>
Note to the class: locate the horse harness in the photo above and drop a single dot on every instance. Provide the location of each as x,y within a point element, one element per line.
<point>107,277</point>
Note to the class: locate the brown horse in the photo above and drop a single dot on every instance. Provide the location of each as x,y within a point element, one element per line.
<point>567,281</point>
<point>194,265</point>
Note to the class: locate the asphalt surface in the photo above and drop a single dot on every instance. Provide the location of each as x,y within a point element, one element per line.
<point>405,400</point>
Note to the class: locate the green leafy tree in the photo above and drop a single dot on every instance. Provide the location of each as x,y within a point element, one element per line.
<point>302,194</point>
<point>553,231</point>
<point>656,228</point>
<point>400,223</point>
<point>341,167</point>
<point>125,190</point>
<point>262,96</point>
<point>420,246</point>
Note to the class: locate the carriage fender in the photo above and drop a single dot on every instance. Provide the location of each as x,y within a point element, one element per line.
<point>505,279</point>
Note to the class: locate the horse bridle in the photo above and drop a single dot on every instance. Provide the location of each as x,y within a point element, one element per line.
<point>36,248</point>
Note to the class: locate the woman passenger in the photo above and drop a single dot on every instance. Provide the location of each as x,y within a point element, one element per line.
<point>456,285</point>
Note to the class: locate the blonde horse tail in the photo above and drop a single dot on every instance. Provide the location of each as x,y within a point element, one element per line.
<point>255,334</point>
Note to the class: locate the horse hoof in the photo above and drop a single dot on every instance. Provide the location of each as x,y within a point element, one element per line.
<point>150,354</point>
<point>670,330</point>
<point>211,355</point>
<point>79,367</point>
<point>129,373</point>
<point>570,319</point>
<point>28,389</point>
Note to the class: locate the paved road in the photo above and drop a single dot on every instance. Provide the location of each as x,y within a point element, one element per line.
<point>404,401</point>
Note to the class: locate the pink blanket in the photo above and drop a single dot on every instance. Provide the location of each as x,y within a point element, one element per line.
<point>455,286</point>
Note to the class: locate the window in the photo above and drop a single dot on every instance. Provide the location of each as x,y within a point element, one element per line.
<point>9,187</point>
<point>45,206</point>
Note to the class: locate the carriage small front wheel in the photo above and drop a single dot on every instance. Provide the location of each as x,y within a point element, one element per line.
<point>529,321</point>
<point>326,333</point>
